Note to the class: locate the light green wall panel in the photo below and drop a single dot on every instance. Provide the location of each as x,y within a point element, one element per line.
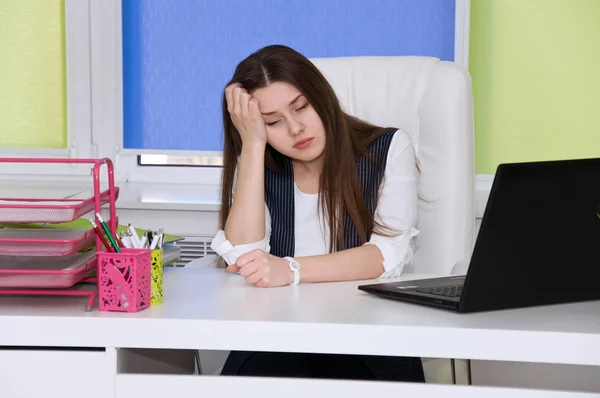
<point>32,74</point>
<point>535,66</point>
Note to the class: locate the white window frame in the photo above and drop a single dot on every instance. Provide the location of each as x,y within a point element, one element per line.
<point>462,30</point>
<point>79,109</point>
<point>107,100</point>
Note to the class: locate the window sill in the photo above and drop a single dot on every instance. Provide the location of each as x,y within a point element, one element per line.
<point>151,196</point>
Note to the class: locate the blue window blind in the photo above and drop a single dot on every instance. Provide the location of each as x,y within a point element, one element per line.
<point>178,55</point>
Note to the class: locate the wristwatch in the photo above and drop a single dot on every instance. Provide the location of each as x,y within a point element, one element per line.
<point>295,268</point>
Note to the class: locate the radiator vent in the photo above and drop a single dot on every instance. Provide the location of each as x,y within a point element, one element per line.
<point>193,247</point>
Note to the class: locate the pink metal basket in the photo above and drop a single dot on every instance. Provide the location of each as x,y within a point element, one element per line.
<point>45,272</point>
<point>44,242</point>
<point>48,210</point>
<point>124,280</point>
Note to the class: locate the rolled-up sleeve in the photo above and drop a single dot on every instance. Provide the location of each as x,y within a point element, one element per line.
<point>397,207</point>
<point>230,253</point>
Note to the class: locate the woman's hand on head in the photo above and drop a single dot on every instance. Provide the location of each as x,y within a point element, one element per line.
<point>245,115</point>
<point>262,269</point>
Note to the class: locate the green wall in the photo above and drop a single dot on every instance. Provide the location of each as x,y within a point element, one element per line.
<point>535,66</point>
<point>32,74</point>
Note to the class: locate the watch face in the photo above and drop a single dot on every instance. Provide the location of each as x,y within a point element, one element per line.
<point>294,265</point>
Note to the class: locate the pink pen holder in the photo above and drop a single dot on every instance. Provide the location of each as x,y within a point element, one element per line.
<point>124,280</point>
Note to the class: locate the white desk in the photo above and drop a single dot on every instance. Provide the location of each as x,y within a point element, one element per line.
<point>214,310</point>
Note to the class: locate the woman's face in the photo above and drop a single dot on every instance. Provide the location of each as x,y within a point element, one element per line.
<point>293,126</point>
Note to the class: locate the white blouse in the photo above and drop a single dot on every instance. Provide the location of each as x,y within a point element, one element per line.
<point>397,208</point>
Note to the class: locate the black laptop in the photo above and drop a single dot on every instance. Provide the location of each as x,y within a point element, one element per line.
<point>539,243</point>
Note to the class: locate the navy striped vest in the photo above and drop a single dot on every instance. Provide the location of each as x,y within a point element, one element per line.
<point>279,196</point>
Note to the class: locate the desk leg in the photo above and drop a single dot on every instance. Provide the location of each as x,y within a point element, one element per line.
<point>198,363</point>
<point>469,379</point>
<point>453,370</point>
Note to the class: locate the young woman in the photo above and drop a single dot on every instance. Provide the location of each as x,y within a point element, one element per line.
<point>311,194</point>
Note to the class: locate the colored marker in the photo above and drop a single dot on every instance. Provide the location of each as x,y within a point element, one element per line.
<point>101,235</point>
<point>112,240</point>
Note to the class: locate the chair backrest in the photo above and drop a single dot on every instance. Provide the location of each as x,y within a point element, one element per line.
<point>432,101</point>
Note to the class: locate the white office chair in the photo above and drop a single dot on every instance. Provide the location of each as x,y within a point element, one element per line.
<point>432,101</point>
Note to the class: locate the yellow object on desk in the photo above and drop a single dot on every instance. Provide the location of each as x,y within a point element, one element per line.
<point>156,294</point>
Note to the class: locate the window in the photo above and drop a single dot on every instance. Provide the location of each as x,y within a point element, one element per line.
<point>144,78</point>
<point>178,56</point>
<point>44,82</point>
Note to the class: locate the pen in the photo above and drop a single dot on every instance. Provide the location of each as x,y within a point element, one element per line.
<point>144,240</point>
<point>101,236</point>
<point>154,242</point>
<point>110,238</point>
<point>134,237</point>
<point>161,241</point>
<point>119,241</point>
<point>157,242</point>
<point>125,240</point>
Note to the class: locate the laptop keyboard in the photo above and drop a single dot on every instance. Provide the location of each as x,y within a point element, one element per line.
<point>446,291</point>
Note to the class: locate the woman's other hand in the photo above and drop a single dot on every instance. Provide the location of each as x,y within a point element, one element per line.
<point>245,115</point>
<point>262,269</point>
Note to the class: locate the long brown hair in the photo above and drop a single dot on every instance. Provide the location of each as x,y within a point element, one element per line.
<point>346,139</point>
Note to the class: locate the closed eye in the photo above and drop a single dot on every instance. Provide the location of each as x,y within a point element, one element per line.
<point>297,110</point>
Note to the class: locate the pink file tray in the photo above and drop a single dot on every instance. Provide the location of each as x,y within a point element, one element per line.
<point>48,210</point>
<point>45,272</point>
<point>44,242</point>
